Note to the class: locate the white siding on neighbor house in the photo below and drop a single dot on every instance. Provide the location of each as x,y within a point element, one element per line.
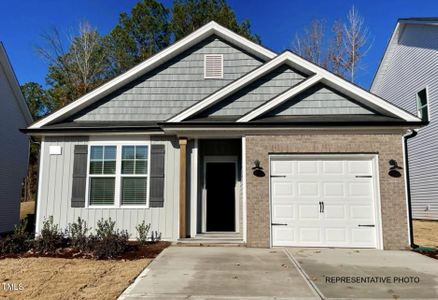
<point>411,64</point>
<point>56,184</point>
<point>13,154</point>
<point>171,88</point>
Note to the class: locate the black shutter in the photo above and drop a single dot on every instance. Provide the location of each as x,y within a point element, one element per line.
<point>157,176</point>
<point>79,176</point>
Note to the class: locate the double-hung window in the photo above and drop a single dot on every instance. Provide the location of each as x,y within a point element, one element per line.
<point>118,174</point>
<point>102,175</point>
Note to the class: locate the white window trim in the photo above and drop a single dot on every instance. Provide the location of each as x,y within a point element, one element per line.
<point>427,103</point>
<point>205,66</point>
<point>118,175</point>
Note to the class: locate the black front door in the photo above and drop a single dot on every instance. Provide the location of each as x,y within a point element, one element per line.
<point>220,182</point>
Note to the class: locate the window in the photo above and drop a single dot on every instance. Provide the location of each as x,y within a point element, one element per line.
<point>422,105</point>
<point>213,66</point>
<point>134,174</point>
<point>118,174</point>
<point>102,175</point>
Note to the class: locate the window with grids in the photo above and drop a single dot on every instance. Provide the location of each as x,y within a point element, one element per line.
<point>102,175</point>
<point>422,105</point>
<point>134,175</point>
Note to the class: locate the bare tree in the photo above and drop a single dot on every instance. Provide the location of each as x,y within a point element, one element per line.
<point>356,42</point>
<point>336,50</point>
<point>310,44</point>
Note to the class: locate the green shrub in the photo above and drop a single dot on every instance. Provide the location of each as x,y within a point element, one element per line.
<point>50,239</point>
<point>78,233</point>
<point>17,242</point>
<point>110,242</point>
<point>142,232</point>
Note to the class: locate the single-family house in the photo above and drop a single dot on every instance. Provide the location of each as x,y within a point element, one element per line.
<point>408,77</point>
<point>14,148</point>
<point>217,137</point>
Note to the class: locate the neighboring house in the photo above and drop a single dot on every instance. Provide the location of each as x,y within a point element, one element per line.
<point>216,137</point>
<point>408,77</point>
<point>14,147</point>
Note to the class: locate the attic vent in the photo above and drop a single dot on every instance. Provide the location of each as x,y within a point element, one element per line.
<point>213,66</point>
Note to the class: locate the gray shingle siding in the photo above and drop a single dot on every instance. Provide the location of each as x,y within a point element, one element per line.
<point>411,65</point>
<point>256,93</point>
<point>319,100</point>
<point>172,87</point>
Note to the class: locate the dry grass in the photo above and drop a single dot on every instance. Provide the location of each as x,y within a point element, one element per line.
<point>26,208</point>
<point>426,233</point>
<point>58,278</point>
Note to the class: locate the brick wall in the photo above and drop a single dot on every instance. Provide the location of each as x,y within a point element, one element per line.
<point>392,190</point>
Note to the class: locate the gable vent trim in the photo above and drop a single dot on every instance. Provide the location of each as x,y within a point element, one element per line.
<point>213,66</point>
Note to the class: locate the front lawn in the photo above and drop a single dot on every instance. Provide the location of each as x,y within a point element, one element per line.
<point>60,278</point>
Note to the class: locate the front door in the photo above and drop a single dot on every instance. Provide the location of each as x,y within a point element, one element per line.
<point>220,205</point>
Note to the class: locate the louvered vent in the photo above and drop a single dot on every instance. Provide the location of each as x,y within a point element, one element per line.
<point>213,66</point>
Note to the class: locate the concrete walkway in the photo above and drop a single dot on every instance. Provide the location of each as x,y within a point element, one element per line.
<point>382,274</point>
<point>220,273</point>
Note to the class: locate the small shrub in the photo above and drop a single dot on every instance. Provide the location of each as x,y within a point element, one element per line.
<point>110,243</point>
<point>50,238</point>
<point>142,232</point>
<point>17,242</point>
<point>156,236</point>
<point>79,235</point>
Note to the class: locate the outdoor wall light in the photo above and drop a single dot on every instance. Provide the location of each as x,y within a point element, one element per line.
<point>257,170</point>
<point>394,168</point>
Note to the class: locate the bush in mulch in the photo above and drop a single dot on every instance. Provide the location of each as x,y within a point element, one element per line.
<point>77,242</point>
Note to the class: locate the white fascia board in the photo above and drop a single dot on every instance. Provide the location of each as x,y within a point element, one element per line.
<point>351,89</point>
<point>151,63</point>
<point>229,89</point>
<point>281,98</point>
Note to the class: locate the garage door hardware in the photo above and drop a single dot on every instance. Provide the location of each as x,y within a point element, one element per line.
<point>364,176</point>
<point>279,224</point>
<point>366,225</point>
<point>278,176</point>
<point>321,206</point>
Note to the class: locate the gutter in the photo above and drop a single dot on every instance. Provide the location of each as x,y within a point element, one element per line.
<point>408,186</point>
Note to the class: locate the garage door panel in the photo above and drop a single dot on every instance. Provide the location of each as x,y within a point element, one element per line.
<point>308,212</point>
<point>348,202</point>
<point>308,189</point>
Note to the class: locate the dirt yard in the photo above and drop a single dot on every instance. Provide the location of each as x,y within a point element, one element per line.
<point>27,208</point>
<point>426,233</point>
<point>57,278</point>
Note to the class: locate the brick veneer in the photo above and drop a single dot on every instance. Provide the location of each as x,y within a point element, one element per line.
<point>392,190</point>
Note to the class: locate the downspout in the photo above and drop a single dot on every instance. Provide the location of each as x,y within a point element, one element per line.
<point>408,186</point>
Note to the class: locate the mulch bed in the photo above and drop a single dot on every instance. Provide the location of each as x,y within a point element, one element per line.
<point>432,253</point>
<point>134,251</point>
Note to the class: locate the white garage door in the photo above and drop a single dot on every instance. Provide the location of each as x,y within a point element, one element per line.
<point>325,201</point>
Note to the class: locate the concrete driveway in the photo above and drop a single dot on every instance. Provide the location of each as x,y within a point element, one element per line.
<point>220,273</point>
<point>381,274</point>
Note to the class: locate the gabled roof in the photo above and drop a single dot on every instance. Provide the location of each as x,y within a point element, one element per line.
<point>398,31</point>
<point>317,74</point>
<point>192,39</point>
<point>5,65</point>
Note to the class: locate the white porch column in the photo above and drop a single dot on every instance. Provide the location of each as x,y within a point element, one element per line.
<point>194,189</point>
<point>244,188</point>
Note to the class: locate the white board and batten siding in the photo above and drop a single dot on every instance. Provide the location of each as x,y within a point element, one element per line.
<point>56,184</point>
<point>410,65</point>
<point>324,201</point>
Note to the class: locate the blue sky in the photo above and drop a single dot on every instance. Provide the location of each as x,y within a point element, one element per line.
<point>22,22</point>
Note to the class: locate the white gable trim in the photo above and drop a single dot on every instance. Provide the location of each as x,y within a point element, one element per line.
<point>6,67</point>
<point>305,66</point>
<point>303,85</point>
<point>151,63</point>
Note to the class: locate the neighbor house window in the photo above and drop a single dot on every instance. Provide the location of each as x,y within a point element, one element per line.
<point>102,175</point>
<point>422,105</point>
<point>118,175</point>
<point>134,174</point>
<point>213,66</point>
